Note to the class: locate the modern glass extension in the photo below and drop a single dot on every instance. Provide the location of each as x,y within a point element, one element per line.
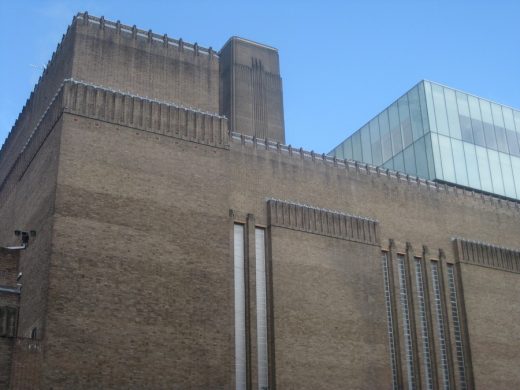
<point>442,134</point>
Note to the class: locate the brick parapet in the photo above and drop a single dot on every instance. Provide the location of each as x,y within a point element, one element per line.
<point>37,102</point>
<point>150,36</point>
<point>176,120</point>
<point>95,102</point>
<point>359,168</point>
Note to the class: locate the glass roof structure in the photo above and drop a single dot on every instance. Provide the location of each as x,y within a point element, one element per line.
<point>442,134</point>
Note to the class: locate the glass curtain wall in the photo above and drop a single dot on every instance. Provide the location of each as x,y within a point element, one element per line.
<point>476,142</point>
<point>439,133</point>
<point>397,138</point>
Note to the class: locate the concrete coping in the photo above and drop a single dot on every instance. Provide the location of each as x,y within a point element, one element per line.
<point>240,39</point>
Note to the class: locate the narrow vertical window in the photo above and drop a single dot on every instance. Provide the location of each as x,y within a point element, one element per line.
<point>261,309</point>
<point>440,326</point>
<point>457,327</point>
<point>419,278</point>
<point>407,329</point>
<point>240,308</point>
<point>390,320</point>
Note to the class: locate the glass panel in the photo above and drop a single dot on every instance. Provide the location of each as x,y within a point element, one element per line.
<point>377,158</point>
<point>500,130</point>
<point>390,321</point>
<point>453,114</point>
<point>457,327</point>
<point>395,129</point>
<point>399,162</point>
<point>365,144</point>
<point>501,139</point>
<point>476,121</point>
<point>420,159</point>
<point>441,330</point>
<point>347,151</point>
<point>437,157</point>
<point>409,161</point>
<point>404,118</point>
<point>464,117</point>
<point>429,104</point>
<point>489,131</point>
<point>424,111</point>
<point>507,174</point>
<point>471,165</point>
<point>460,162</point>
<point>496,177</point>
<point>440,110</point>
<point>448,170</point>
<point>516,115</point>
<point>389,164</point>
<point>415,113</point>
<point>423,321</point>
<point>261,309</point>
<point>384,128</point>
<point>357,152</point>
<point>407,330</point>
<point>429,157</point>
<point>338,152</point>
<point>512,140</point>
<point>240,308</point>
<point>515,163</point>
<point>483,168</point>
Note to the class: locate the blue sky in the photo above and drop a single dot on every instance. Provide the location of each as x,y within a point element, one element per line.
<point>342,61</point>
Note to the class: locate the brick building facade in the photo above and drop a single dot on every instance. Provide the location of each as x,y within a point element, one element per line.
<point>181,244</point>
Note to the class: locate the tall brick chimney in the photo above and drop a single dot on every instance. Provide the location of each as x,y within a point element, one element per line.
<point>251,89</point>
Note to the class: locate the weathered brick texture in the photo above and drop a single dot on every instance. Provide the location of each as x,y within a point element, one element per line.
<point>129,281</point>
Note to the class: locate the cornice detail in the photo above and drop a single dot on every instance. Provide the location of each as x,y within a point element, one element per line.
<point>487,255</point>
<point>315,220</point>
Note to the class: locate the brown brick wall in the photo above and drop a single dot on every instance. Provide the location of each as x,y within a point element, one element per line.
<point>8,266</point>
<point>328,299</point>
<point>119,59</point>
<point>133,216</point>
<point>130,276</point>
<point>170,290</point>
<point>6,350</point>
<point>491,301</point>
<point>28,205</point>
<point>26,366</point>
